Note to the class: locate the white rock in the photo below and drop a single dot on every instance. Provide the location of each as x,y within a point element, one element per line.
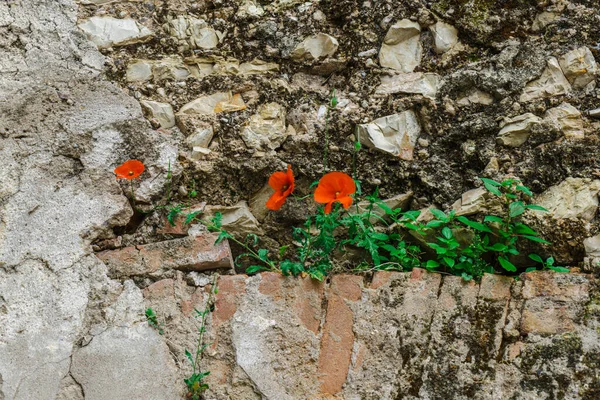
<point>162,112</point>
<point>201,138</point>
<point>567,119</point>
<point>475,96</point>
<point>396,134</point>
<point>266,129</point>
<point>237,219</point>
<point>572,198</point>
<point>171,68</point>
<point>515,131</point>
<point>250,8</point>
<point>315,47</point>
<point>426,84</point>
<point>257,67</point>
<point>543,19</point>
<point>109,31</point>
<point>139,71</point>
<point>579,66</point>
<point>445,36</point>
<point>214,103</point>
<point>194,32</point>
<point>401,49</point>
<point>552,83</point>
<point>592,246</point>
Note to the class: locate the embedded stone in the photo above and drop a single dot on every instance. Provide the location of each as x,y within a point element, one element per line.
<point>572,198</point>
<point>109,31</point>
<point>475,96</point>
<point>592,246</point>
<point>426,84</point>
<point>401,49</point>
<point>567,119</point>
<point>139,71</point>
<point>445,36</point>
<point>579,66</point>
<point>315,47</point>
<point>237,219</point>
<point>214,103</point>
<point>396,134</point>
<point>515,131</point>
<point>266,129</point>
<point>194,32</point>
<point>551,83</point>
<point>162,112</point>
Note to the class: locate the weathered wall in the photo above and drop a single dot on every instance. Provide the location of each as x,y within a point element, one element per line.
<point>400,336</point>
<point>226,92</point>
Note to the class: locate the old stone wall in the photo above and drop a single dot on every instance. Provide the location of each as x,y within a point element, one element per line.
<point>220,94</point>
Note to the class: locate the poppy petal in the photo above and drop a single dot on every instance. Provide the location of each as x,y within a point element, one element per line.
<point>328,207</point>
<point>278,180</point>
<point>345,201</point>
<point>276,201</point>
<point>324,194</point>
<point>130,169</point>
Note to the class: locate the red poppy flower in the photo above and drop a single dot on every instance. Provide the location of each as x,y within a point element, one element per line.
<point>283,185</point>
<point>130,169</point>
<point>335,186</point>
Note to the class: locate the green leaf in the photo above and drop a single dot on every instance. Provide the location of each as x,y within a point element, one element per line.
<point>434,224</point>
<point>254,269</point>
<point>222,236</point>
<point>283,249</point>
<point>550,261</point>
<point>189,356</point>
<point>498,247</point>
<point>466,276</point>
<point>535,239</point>
<point>525,190</point>
<point>531,269</point>
<point>431,264</point>
<point>191,216</point>
<point>449,261</point>
<point>290,267</point>
<point>491,186</point>
<point>412,215</point>
<point>516,208</point>
<point>559,269</point>
<point>357,145</point>
<point>535,207</point>
<point>507,265</point>
<point>447,232</point>
<point>380,236</point>
<point>536,258</point>
<point>523,229</point>
<point>263,254</point>
<point>438,214</point>
<point>475,225</point>
<point>493,218</point>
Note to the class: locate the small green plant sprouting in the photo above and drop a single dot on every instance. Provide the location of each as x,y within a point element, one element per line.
<point>153,321</point>
<point>195,383</point>
<point>547,264</point>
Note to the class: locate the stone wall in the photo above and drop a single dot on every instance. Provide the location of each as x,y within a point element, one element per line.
<point>398,335</point>
<point>222,93</point>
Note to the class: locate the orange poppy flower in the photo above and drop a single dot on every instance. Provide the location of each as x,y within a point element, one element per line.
<point>335,186</point>
<point>283,185</point>
<point>130,169</point>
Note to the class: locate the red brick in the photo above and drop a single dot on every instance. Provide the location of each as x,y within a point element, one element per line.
<point>380,278</point>
<point>196,301</point>
<point>547,318</point>
<point>231,289</point>
<point>270,284</point>
<point>309,296</point>
<point>338,337</point>
<point>495,287</point>
<point>186,254</point>
<point>558,286</point>
<point>164,288</point>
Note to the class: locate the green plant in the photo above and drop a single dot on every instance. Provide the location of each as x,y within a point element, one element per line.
<point>546,264</point>
<point>249,246</point>
<point>195,382</point>
<point>153,321</point>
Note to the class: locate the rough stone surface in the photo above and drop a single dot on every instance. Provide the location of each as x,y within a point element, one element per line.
<point>108,31</point>
<point>579,66</point>
<point>416,83</point>
<point>551,83</point>
<point>515,131</point>
<point>567,119</point>
<point>401,49</point>
<point>572,198</point>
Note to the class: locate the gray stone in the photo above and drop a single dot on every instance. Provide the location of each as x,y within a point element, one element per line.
<point>592,246</point>
<point>315,47</point>
<point>515,131</point>
<point>579,66</point>
<point>551,83</point>
<point>193,32</point>
<point>396,134</point>
<point>127,347</point>
<point>567,119</point>
<point>401,49</point>
<point>139,71</point>
<point>108,31</point>
<point>445,36</point>
<point>572,198</point>
<point>426,84</point>
<point>476,201</point>
<point>162,112</point>
<point>475,96</point>
<point>201,138</point>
